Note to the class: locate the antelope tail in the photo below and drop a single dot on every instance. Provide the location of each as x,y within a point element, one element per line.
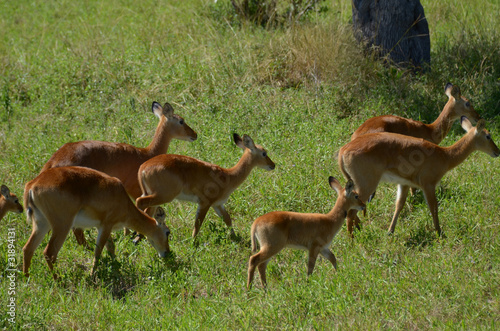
<point>29,207</point>
<point>253,238</point>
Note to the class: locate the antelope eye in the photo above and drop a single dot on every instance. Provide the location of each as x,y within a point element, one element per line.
<point>467,104</point>
<point>167,233</point>
<point>488,137</point>
<point>181,122</point>
<point>264,154</point>
<point>16,201</point>
<point>356,197</point>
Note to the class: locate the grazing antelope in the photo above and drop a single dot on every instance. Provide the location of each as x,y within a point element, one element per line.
<point>123,160</point>
<point>313,232</point>
<point>408,162</point>
<point>456,107</point>
<point>168,177</point>
<point>66,197</point>
<point>8,202</point>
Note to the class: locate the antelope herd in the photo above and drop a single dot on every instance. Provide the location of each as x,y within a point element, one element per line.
<point>93,184</point>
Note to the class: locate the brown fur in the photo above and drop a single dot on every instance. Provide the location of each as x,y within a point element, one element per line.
<point>411,162</point>
<point>166,177</point>
<point>313,232</point>
<point>58,196</point>
<point>456,107</point>
<point>123,160</point>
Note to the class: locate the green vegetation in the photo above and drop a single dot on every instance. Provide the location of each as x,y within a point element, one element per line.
<point>72,70</point>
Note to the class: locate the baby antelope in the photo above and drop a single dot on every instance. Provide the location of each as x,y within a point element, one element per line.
<point>313,232</point>
<point>8,202</point>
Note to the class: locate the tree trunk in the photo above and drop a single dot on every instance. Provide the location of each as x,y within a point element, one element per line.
<point>397,29</point>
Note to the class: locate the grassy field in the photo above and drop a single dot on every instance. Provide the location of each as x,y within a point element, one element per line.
<point>74,70</point>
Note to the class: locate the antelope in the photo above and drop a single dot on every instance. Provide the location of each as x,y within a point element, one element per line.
<point>62,198</point>
<point>313,232</point>
<point>408,162</point>
<point>123,160</point>
<point>168,177</point>
<point>8,202</point>
<point>456,107</point>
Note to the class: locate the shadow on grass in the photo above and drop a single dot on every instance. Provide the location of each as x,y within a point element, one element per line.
<point>218,234</point>
<point>119,278</point>
<point>114,276</point>
<point>420,238</point>
<point>442,192</point>
<point>425,234</point>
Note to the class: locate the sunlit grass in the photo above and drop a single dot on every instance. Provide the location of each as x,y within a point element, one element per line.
<point>71,71</point>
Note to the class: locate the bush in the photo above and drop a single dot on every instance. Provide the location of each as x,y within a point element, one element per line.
<point>272,12</point>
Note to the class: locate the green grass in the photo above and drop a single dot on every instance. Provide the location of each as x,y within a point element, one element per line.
<point>71,71</point>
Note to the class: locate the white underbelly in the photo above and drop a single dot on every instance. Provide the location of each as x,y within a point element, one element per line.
<point>188,197</point>
<point>84,220</point>
<point>194,198</point>
<point>303,247</point>
<point>389,177</point>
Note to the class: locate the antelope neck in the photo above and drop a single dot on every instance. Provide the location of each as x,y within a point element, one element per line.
<point>338,211</point>
<point>441,126</point>
<point>459,151</point>
<point>161,139</point>
<point>242,169</point>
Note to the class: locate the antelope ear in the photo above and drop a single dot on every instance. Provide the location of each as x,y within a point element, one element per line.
<point>447,89</point>
<point>168,110</point>
<point>452,91</point>
<point>481,124</point>
<point>238,141</point>
<point>455,92</point>
<point>334,183</point>
<point>5,191</point>
<point>349,187</point>
<point>157,109</point>
<point>466,124</point>
<point>160,215</point>
<point>248,142</point>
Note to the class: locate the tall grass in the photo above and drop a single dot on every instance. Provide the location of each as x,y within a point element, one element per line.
<point>71,71</point>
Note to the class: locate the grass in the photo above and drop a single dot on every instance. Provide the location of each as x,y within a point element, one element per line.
<point>72,71</point>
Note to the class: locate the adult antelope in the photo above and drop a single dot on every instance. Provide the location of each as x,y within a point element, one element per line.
<point>8,202</point>
<point>62,198</point>
<point>168,177</point>
<point>123,160</point>
<point>456,107</point>
<point>409,162</point>
<point>313,232</point>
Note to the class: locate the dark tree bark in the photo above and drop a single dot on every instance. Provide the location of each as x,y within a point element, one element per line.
<point>397,28</point>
